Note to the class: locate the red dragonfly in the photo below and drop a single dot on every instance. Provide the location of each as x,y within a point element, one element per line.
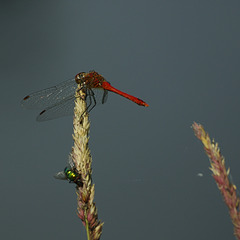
<point>58,101</point>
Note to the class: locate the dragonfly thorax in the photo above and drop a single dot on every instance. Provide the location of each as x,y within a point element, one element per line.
<point>89,80</point>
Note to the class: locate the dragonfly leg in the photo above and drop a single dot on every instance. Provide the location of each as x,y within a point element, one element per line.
<point>92,101</point>
<point>85,90</point>
<point>91,96</point>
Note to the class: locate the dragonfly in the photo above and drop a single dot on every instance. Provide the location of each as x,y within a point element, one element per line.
<point>58,101</point>
<point>70,173</point>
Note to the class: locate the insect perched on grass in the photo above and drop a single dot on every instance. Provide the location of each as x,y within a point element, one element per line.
<point>58,101</point>
<point>70,173</point>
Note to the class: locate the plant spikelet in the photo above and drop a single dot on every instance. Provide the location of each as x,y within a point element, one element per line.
<point>220,175</point>
<point>82,159</point>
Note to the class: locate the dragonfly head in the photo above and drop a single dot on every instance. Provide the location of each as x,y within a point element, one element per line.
<point>80,77</point>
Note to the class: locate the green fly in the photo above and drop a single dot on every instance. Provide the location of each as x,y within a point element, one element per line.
<point>70,173</point>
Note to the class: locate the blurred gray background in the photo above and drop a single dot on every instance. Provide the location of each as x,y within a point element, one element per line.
<point>181,57</point>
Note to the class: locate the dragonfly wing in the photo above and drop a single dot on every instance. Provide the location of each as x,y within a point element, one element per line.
<point>63,108</point>
<point>60,175</point>
<point>50,96</point>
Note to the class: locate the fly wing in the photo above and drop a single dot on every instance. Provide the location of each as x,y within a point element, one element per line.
<point>71,163</point>
<point>50,96</point>
<point>60,176</point>
<point>62,108</point>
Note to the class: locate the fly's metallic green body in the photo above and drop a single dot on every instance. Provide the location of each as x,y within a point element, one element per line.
<point>73,176</point>
<point>70,173</point>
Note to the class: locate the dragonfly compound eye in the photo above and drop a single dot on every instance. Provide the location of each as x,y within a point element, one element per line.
<point>80,77</point>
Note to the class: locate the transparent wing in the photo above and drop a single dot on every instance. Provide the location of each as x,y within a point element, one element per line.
<point>58,101</point>
<point>62,108</point>
<point>51,96</point>
<point>71,163</point>
<point>60,175</point>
